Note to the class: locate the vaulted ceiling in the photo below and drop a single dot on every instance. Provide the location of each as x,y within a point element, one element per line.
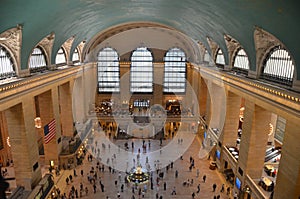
<point>197,19</point>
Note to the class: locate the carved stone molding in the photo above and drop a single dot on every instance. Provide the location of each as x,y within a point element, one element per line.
<point>232,47</point>
<point>67,47</point>
<point>12,40</point>
<point>264,41</point>
<point>80,50</point>
<point>47,45</point>
<point>213,47</point>
<point>202,51</point>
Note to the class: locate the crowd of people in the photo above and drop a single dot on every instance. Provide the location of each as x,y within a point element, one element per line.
<point>97,178</point>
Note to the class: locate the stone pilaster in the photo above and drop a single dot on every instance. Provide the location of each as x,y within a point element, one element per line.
<point>229,133</point>
<point>253,140</point>
<point>33,156</point>
<point>45,104</point>
<point>288,176</point>
<point>77,100</point>
<point>56,114</point>
<point>195,81</point>
<point>158,84</point>
<point>65,104</point>
<point>208,105</point>
<point>203,96</point>
<point>218,105</point>
<point>24,149</point>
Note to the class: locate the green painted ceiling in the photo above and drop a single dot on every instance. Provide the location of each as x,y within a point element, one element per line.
<point>195,18</point>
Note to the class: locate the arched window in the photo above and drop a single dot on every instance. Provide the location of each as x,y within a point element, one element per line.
<point>206,56</point>
<point>241,61</point>
<point>278,66</point>
<point>37,60</point>
<point>108,71</point>
<point>6,64</point>
<point>61,57</point>
<point>75,57</point>
<point>141,71</point>
<point>220,59</point>
<point>175,71</point>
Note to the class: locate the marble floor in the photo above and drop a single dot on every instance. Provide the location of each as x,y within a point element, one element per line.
<point>158,155</point>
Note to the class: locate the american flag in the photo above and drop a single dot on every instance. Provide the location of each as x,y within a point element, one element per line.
<point>49,131</point>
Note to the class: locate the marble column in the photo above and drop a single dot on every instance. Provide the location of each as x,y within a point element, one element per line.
<point>46,109</point>
<point>288,176</point>
<point>65,104</point>
<point>24,148</point>
<point>218,105</point>
<point>78,100</point>
<point>229,133</point>
<point>253,141</point>
<point>203,97</point>
<point>158,84</point>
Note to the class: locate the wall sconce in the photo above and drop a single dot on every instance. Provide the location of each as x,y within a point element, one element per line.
<point>271,129</point>
<point>51,163</point>
<point>38,122</point>
<point>8,142</point>
<point>242,114</point>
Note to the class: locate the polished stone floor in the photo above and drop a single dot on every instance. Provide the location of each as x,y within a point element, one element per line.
<point>159,155</point>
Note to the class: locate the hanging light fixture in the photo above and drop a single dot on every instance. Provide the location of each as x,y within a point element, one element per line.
<point>38,122</point>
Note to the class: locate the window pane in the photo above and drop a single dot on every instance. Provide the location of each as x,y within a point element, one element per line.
<point>220,60</point>
<point>108,71</point>
<point>141,71</point>
<point>241,60</point>
<point>175,71</point>
<point>279,67</point>
<point>206,56</point>
<point>75,57</point>
<point>60,57</point>
<point>37,60</point>
<point>6,64</point>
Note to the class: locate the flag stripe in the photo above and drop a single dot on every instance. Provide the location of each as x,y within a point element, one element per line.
<point>49,131</point>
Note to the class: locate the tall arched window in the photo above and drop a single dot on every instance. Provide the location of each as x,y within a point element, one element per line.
<point>61,57</point>
<point>241,61</point>
<point>108,71</point>
<point>278,66</point>
<point>220,59</point>
<point>75,57</point>
<point>6,64</point>
<point>141,71</point>
<point>206,56</point>
<point>175,71</point>
<point>37,60</point>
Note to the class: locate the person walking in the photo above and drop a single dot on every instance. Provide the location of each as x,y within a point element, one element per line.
<point>228,190</point>
<point>173,191</point>
<point>198,188</point>
<point>214,186</point>
<point>86,191</point>
<point>102,187</point>
<point>95,188</point>
<point>165,186</point>
<point>204,178</point>
<point>222,188</point>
